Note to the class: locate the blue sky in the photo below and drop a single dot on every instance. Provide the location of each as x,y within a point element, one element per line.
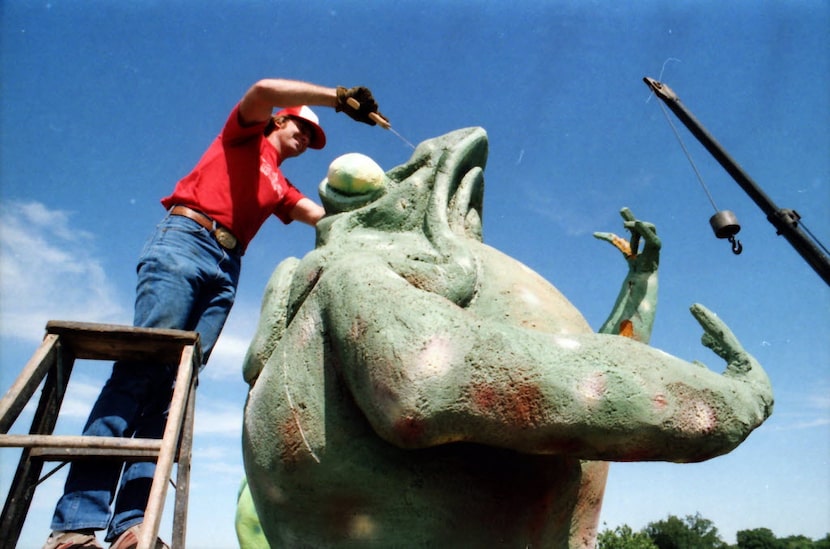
<point>104,105</point>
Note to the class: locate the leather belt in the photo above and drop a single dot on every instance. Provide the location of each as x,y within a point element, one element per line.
<point>223,236</point>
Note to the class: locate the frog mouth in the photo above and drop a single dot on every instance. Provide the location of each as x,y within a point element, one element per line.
<point>451,166</point>
<point>458,194</point>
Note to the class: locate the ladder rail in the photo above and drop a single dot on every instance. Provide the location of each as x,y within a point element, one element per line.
<point>27,382</point>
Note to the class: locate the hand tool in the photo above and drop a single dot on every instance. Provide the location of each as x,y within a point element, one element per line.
<point>380,121</point>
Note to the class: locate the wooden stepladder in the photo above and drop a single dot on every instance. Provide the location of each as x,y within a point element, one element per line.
<point>53,360</point>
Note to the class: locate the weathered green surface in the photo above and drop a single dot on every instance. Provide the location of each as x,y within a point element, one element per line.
<point>414,387</point>
<point>248,527</point>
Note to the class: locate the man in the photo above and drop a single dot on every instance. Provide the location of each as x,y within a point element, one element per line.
<point>187,278</point>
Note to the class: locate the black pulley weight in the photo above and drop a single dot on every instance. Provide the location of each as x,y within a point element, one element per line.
<point>725,225</point>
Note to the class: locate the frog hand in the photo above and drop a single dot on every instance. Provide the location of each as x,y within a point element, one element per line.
<point>740,365</point>
<point>645,260</point>
<point>618,242</point>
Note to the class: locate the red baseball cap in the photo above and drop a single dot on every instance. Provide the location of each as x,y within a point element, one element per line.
<point>318,136</point>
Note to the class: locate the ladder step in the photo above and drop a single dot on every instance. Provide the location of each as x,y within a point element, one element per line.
<point>116,342</point>
<point>80,443</point>
<point>68,454</point>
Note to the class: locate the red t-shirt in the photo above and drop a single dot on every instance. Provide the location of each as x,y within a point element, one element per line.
<point>237,182</point>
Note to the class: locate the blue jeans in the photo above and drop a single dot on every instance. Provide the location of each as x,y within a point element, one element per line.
<point>186,281</point>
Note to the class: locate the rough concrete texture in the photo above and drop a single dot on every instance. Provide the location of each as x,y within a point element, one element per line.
<point>414,387</point>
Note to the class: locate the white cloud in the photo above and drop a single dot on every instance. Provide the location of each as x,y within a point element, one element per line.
<point>48,271</point>
<point>809,423</point>
<point>218,420</point>
<point>228,354</point>
<point>576,216</point>
<point>820,399</point>
<point>216,456</point>
<point>805,411</point>
<point>231,471</point>
<point>80,397</point>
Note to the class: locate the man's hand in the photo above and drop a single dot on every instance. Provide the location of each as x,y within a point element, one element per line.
<point>363,96</point>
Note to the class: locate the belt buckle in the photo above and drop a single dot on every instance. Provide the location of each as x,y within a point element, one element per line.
<point>225,238</point>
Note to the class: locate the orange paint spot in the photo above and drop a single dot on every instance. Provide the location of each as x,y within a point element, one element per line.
<point>519,404</point>
<point>627,328</point>
<point>291,446</point>
<point>622,244</point>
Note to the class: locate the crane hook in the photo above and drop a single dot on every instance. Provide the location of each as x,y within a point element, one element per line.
<point>737,247</point>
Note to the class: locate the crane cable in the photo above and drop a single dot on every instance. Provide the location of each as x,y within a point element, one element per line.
<point>737,247</point>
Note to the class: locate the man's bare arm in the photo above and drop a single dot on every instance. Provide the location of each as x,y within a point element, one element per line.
<point>307,211</point>
<point>260,100</point>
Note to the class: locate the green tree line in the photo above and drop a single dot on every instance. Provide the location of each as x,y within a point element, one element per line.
<point>696,532</point>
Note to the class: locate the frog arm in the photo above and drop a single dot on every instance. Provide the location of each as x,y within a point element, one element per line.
<point>633,313</point>
<point>272,321</point>
<point>425,372</point>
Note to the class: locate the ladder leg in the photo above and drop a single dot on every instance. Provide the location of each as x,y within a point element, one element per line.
<point>19,499</point>
<point>28,470</point>
<point>164,466</point>
<point>183,469</point>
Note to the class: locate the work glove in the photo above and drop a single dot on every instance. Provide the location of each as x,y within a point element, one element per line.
<point>363,96</point>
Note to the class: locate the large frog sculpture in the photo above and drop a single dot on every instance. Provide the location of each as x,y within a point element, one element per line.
<point>413,387</point>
